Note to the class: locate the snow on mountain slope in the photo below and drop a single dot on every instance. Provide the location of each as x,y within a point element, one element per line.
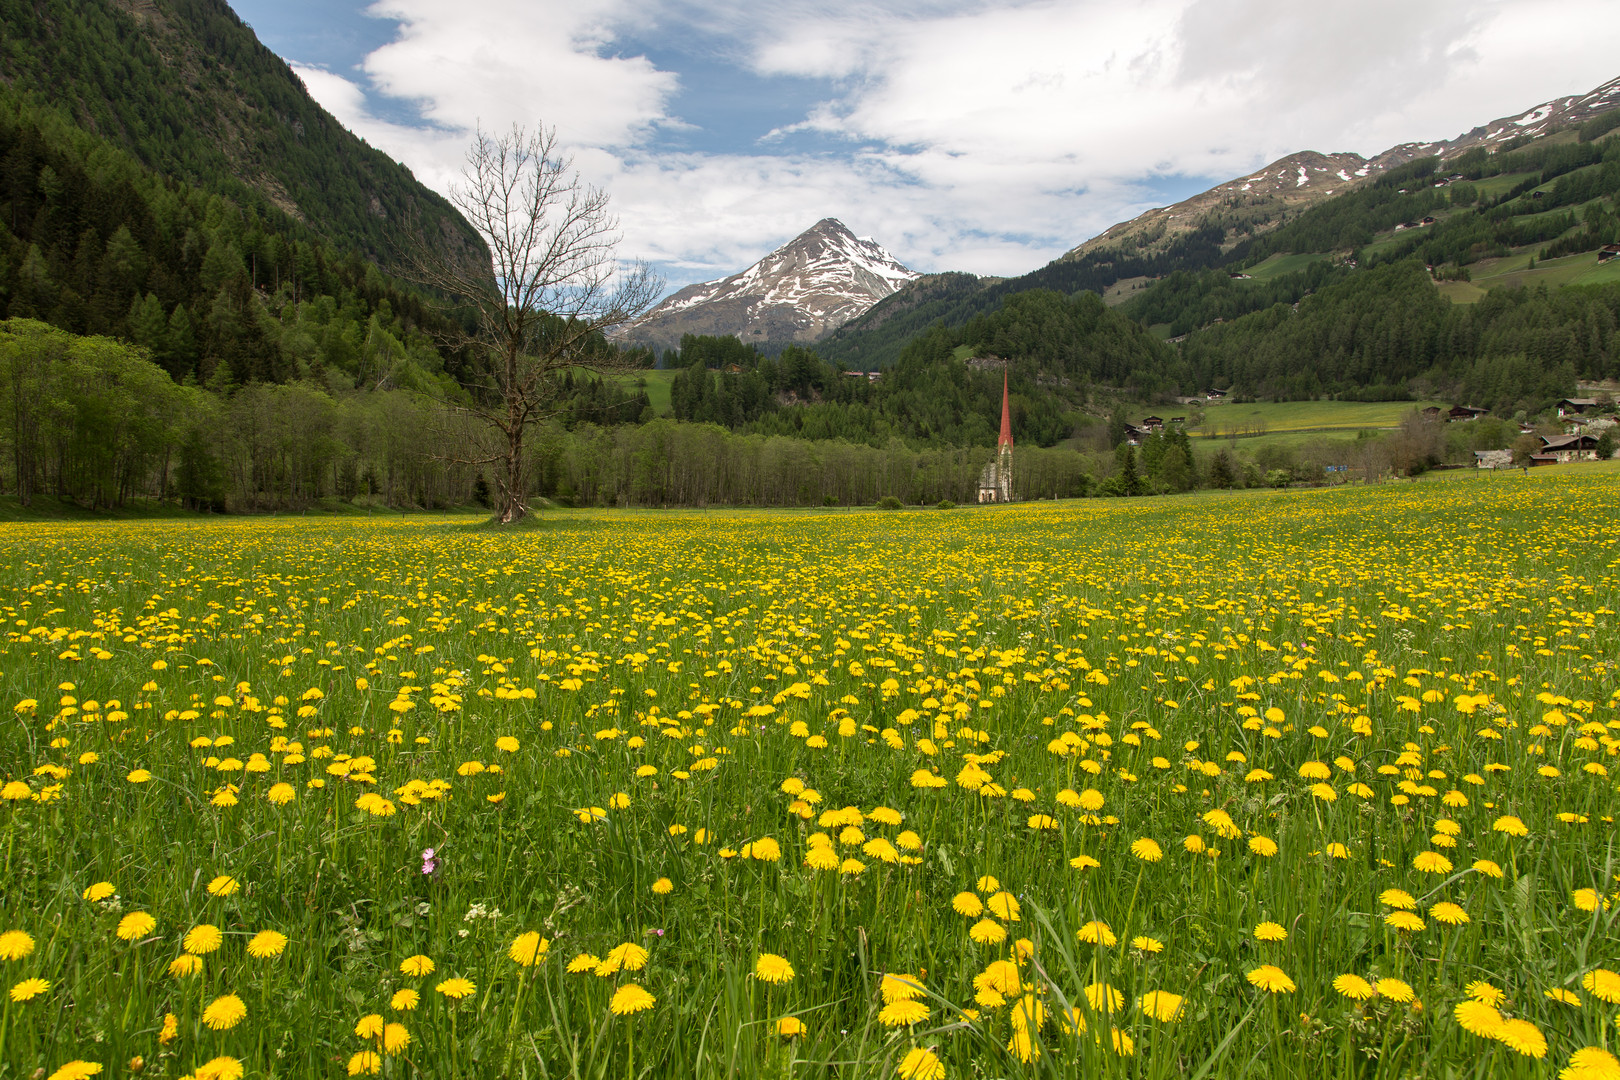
<point>1255,203</point>
<point>803,290</point>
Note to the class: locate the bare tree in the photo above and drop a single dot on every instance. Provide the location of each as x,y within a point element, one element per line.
<point>542,296</point>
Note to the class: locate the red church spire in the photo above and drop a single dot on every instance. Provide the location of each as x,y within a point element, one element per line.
<point>1006,414</point>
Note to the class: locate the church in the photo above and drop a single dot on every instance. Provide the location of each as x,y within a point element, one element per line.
<point>995,482</point>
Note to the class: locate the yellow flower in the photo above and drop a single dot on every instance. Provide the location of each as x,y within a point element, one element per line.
<point>183,965</point>
<point>921,1064</point>
<point>1004,905</point>
<point>1395,990</point>
<point>76,1070</point>
<point>1270,931</point>
<point>528,947</point>
<point>281,794</point>
<point>663,887</point>
<point>968,905</point>
<point>457,988</point>
<point>224,1013</point>
<point>1604,984</point>
<point>365,1063</point>
<point>1096,932</point>
<point>773,969</point>
<point>1147,944</point>
<point>417,965</point>
<point>395,1038</point>
<point>1404,921</point>
<point>630,998</point>
<point>628,957</point>
<point>902,1013</point>
<point>220,1068</point>
<point>266,944</point>
<point>1478,1017</point>
<point>1522,1037</point>
<point>99,891</point>
<point>1432,862</point>
<point>223,885</point>
<point>1147,850</point>
<point>789,1027</point>
<point>404,1000</point>
<point>1272,979</point>
<point>1450,914</point>
<point>1591,1063</point>
<point>29,989</point>
<point>900,987</point>
<point>1354,987</point>
<point>369,1027</point>
<point>202,939</point>
<point>16,944</point>
<point>1162,1005</point>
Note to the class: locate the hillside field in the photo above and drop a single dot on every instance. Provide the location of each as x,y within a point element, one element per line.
<point>1261,784</point>
<point>1248,419</point>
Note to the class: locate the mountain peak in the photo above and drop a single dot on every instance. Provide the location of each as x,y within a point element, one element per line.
<point>803,290</point>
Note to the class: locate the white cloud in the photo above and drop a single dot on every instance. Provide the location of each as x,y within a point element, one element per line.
<point>986,135</point>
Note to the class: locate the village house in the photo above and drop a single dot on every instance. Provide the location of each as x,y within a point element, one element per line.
<point>1215,395</point>
<point>1460,413</point>
<point>1576,406</point>
<point>1608,251</point>
<point>1152,423</point>
<point>1565,448</point>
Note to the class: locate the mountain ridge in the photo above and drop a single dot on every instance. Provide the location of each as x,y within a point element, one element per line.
<point>813,284</point>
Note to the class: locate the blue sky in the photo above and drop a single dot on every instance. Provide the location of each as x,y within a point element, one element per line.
<point>979,135</point>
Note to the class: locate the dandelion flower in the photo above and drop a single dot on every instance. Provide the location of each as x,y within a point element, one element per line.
<point>137,924</point>
<point>583,963</point>
<point>1162,1005</point>
<point>418,966</point>
<point>1523,1037</point>
<point>1096,932</point>
<point>1488,868</point>
<point>223,885</point>
<point>1450,914</point>
<point>1565,997</point>
<point>1480,990</point>
<point>99,891</point>
<point>369,1027</point>
<point>1395,990</point>
<point>902,1013</point>
<point>16,944</point>
<point>1147,850</point>
<point>1263,846</point>
<point>921,1064</point>
<point>1478,1017</point>
<point>1084,862</point>
<point>627,957</point>
<point>1591,1063</point>
<point>457,988</point>
<point>202,940</point>
<point>1004,905</point>
<point>76,1070</point>
<point>1270,931</point>
<point>900,987</point>
<point>1404,920</point>
<point>224,1013</point>
<point>29,989</point>
<point>1510,825</point>
<point>1604,984</point>
<point>1397,898</point>
<point>1354,987</point>
<point>404,1000</point>
<point>183,965</point>
<point>266,944</point>
<point>663,887</point>
<point>170,1030</point>
<point>790,1027</point>
<point>1431,862</point>
<point>630,998</point>
<point>772,968</point>
<point>1104,998</point>
<point>1147,944</point>
<point>1272,979</point>
<point>365,1063</point>
<point>281,794</point>
<point>395,1038</point>
<point>220,1068</point>
<point>967,904</point>
<point>528,947</point>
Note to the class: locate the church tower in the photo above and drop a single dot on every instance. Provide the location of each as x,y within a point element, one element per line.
<point>1004,447</point>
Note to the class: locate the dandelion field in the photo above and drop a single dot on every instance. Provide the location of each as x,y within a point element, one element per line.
<point>1301,784</point>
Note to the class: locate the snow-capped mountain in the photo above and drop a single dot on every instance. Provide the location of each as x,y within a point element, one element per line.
<point>805,289</point>
<point>1251,204</point>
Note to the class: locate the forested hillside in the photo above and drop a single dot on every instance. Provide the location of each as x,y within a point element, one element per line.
<point>191,93</point>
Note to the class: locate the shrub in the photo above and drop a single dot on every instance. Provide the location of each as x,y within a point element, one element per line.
<point>889,502</point>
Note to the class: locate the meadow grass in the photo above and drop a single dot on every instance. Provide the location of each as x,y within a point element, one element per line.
<point>1273,417</point>
<point>1235,784</point>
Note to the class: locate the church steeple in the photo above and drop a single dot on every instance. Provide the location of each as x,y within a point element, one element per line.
<point>1006,414</point>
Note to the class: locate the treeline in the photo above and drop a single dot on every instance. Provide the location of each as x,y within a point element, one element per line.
<point>1514,350</point>
<point>94,243</point>
<point>94,421</point>
<point>188,90</point>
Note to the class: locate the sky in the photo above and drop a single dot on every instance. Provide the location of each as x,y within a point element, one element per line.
<point>982,135</point>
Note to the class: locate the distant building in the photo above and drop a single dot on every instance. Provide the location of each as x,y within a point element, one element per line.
<point>1493,459</point>
<point>1214,395</point>
<point>995,482</point>
<point>1152,423</point>
<point>1465,412</point>
<point>1576,406</point>
<point>1566,448</point>
<point>1608,251</point>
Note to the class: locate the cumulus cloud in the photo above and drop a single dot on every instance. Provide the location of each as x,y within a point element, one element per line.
<point>987,135</point>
